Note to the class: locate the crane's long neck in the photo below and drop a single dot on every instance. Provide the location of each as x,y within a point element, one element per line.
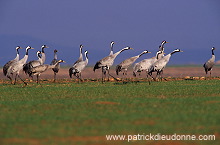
<point>159,55</point>
<point>117,53</point>
<point>43,57</point>
<point>141,54</point>
<point>25,58</point>
<point>213,52</point>
<point>111,50</point>
<point>17,55</point>
<point>173,52</point>
<point>55,55</point>
<point>87,59</point>
<point>53,65</point>
<point>80,54</point>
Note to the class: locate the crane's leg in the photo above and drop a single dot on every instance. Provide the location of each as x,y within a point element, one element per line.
<point>15,79</point>
<point>80,76</point>
<point>206,73</point>
<point>22,80</point>
<point>108,74</point>
<point>77,76</point>
<point>8,76</point>
<point>102,74</point>
<point>37,78</point>
<point>55,76</point>
<point>210,74</point>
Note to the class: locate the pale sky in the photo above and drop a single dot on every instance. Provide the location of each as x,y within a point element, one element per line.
<point>190,25</point>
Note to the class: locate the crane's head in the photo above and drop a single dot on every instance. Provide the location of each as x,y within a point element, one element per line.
<point>18,47</point>
<point>55,51</point>
<point>127,48</point>
<point>164,42</point>
<point>80,46</point>
<point>38,54</point>
<point>213,48</point>
<point>146,51</point>
<point>29,47</point>
<point>61,61</point>
<point>44,46</point>
<point>177,50</point>
<point>112,43</point>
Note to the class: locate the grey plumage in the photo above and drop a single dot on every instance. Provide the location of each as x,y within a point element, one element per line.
<point>111,47</point>
<point>10,63</point>
<point>210,63</point>
<point>124,65</point>
<point>27,67</point>
<point>17,66</point>
<point>37,70</point>
<point>145,64</point>
<point>79,60</point>
<point>43,57</point>
<point>78,67</point>
<point>33,63</point>
<point>108,61</point>
<point>57,67</point>
<point>160,64</point>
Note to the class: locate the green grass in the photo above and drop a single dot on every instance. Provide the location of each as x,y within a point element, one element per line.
<point>55,113</point>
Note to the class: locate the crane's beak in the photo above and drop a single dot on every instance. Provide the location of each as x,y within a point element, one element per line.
<point>132,48</point>
<point>149,52</point>
<point>31,48</point>
<point>181,51</point>
<point>64,62</point>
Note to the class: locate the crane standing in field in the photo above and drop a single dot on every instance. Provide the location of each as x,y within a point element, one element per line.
<point>79,60</point>
<point>78,67</point>
<point>17,66</point>
<point>37,70</point>
<point>145,64</point>
<point>27,67</point>
<point>10,63</point>
<point>160,64</point>
<point>210,63</point>
<point>108,61</point>
<point>124,65</point>
<point>104,69</point>
<point>57,67</point>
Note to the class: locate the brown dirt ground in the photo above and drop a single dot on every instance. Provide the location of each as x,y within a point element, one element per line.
<point>177,72</point>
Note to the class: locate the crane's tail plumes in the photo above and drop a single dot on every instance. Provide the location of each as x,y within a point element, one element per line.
<point>27,68</point>
<point>134,74</point>
<point>118,69</point>
<point>71,72</point>
<point>97,66</point>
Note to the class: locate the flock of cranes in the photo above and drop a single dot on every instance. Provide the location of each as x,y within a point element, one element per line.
<point>36,67</point>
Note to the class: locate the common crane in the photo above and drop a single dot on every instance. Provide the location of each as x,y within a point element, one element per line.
<point>210,63</point>
<point>27,67</point>
<point>17,66</point>
<point>78,67</point>
<point>79,59</point>
<point>33,63</point>
<point>37,70</point>
<point>124,65</point>
<point>145,64</point>
<point>10,63</point>
<point>57,67</point>
<point>160,64</point>
<point>108,61</point>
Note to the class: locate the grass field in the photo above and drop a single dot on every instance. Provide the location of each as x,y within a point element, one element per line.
<point>83,113</point>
